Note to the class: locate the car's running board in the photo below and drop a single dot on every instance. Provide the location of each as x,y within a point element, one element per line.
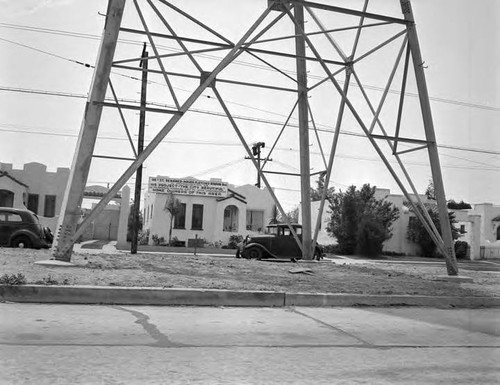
<point>279,260</point>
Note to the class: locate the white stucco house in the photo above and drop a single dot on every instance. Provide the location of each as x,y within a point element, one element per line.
<point>211,210</point>
<point>35,188</point>
<point>479,227</point>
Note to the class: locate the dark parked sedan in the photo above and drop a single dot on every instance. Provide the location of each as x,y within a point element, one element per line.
<point>21,228</point>
<point>278,242</point>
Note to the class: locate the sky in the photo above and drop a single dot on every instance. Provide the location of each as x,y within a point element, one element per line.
<point>43,86</point>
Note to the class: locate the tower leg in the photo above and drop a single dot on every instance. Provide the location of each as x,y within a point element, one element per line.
<point>305,178</point>
<point>73,195</point>
<point>451,261</point>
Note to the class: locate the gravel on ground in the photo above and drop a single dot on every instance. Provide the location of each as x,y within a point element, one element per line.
<point>210,272</point>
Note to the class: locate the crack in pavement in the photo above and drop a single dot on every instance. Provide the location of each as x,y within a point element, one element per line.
<point>365,343</point>
<point>142,319</point>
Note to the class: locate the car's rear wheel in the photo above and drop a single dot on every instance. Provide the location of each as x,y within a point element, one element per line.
<point>22,242</point>
<point>254,253</point>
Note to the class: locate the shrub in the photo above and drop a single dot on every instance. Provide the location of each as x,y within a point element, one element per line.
<point>130,223</point>
<point>393,254</point>
<point>175,242</point>
<point>370,238</point>
<point>157,241</point>
<point>13,279</point>
<point>51,281</point>
<point>214,245</point>
<point>143,238</point>
<point>461,248</point>
<point>349,208</point>
<point>331,249</point>
<point>417,233</point>
<point>234,240</point>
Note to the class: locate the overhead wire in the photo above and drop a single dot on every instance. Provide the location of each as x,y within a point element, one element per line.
<point>218,143</point>
<point>242,117</point>
<point>66,33</point>
<point>214,57</point>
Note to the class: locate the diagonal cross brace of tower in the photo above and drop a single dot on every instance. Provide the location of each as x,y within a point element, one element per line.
<point>70,228</point>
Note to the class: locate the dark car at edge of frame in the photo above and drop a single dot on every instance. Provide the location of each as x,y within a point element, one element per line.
<point>22,228</point>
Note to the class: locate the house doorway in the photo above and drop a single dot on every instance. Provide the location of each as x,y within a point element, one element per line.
<point>231,219</point>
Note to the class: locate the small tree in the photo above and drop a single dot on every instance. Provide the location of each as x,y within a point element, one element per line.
<point>358,218</point>
<point>430,193</point>
<point>316,193</point>
<point>130,223</point>
<point>174,207</point>
<point>417,233</point>
<point>293,215</point>
<point>452,205</point>
<point>275,216</point>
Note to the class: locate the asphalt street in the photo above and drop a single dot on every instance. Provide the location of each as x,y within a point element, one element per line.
<point>83,344</point>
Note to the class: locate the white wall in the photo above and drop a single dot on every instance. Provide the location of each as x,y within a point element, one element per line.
<point>213,214</point>
<point>39,181</point>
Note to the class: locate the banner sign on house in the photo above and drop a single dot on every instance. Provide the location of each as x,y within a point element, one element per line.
<point>206,188</point>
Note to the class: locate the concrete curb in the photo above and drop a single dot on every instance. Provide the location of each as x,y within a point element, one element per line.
<point>214,297</point>
<point>139,296</point>
<point>344,300</point>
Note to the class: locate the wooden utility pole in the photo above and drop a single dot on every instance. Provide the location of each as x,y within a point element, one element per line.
<point>140,147</point>
<point>256,152</point>
<point>305,179</point>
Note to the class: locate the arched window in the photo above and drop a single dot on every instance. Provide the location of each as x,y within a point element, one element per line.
<point>6,198</point>
<point>230,219</point>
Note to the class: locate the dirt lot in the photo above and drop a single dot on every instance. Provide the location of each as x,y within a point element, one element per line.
<point>167,270</point>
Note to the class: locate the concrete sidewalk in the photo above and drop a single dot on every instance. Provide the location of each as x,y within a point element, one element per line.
<point>68,344</point>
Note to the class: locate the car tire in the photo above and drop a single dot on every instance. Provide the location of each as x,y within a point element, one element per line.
<point>22,242</point>
<point>254,253</point>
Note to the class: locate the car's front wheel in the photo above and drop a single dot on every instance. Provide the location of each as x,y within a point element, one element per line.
<point>254,253</point>
<point>22,242</point>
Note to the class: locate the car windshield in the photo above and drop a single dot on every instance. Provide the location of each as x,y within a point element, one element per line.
<point>283,230</point>
<point>273,230</point>
<point>287,231</point>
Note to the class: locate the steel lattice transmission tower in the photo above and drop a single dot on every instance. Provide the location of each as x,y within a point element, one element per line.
<point>317,45</point>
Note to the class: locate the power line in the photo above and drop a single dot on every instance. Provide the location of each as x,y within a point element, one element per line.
<point>212,143</point>
<point>46,52</point>
<point>214,57</point>
<point>241,117</point>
